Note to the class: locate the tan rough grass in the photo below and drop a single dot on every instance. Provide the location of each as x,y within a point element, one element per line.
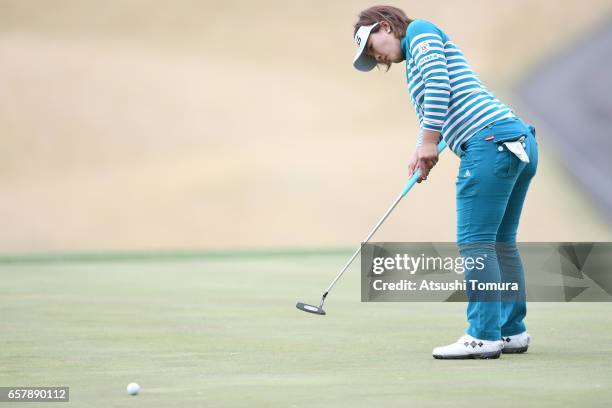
<point>145,124</point>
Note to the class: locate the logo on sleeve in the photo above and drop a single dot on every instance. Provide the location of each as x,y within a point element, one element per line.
<point>429,57</point>
<point>424,47</point>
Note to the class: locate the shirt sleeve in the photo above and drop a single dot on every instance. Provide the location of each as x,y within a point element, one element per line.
<point>427,50</point>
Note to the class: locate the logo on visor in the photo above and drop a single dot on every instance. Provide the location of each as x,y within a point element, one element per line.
<point>358,40</point>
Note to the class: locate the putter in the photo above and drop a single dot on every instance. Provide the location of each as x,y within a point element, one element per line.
<point>411,182</point>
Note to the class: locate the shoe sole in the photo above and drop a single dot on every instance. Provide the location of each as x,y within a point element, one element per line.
<point>475,356</point>
<point>515,350</point>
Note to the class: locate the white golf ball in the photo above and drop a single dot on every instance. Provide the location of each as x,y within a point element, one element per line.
<point>133,388</point>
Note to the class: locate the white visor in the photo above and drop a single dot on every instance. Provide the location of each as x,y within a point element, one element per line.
<point>362,61</point>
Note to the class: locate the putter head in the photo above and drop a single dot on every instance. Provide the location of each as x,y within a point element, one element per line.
<point>310,308</point>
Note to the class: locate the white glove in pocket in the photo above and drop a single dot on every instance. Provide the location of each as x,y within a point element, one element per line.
<point>517,148</point>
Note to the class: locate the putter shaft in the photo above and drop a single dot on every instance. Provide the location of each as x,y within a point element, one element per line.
<point>411,182</point>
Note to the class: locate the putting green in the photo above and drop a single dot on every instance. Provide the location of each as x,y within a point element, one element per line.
<point>224,332</point>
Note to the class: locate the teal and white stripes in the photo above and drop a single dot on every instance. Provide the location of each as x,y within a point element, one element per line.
<point>447,95</point>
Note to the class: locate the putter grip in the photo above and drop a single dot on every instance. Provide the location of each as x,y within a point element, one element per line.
<point>415,176</point>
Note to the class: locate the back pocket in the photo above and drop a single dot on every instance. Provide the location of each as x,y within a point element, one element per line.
<point>506,162</point>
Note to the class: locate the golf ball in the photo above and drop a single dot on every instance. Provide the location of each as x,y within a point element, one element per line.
<point>133,388</point>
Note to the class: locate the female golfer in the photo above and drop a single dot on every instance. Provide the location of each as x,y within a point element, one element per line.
<point>499,157</point>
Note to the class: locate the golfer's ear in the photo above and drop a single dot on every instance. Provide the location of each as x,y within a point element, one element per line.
<point>385,26</point>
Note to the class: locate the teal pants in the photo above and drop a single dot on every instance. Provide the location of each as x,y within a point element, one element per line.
<point>491,186</point>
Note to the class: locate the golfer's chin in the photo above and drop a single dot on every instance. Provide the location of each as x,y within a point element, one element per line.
<point>397,59</point>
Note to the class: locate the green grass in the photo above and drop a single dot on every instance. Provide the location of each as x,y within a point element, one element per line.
<point>224,332</point>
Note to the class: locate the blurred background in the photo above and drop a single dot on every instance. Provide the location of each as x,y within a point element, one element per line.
<point>147,125</point>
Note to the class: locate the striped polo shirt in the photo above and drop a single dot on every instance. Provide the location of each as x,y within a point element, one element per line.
<point>447,95</point>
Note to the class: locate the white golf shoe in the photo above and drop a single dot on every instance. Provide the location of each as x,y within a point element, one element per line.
<point>469,347</point>
<point>519,343</point>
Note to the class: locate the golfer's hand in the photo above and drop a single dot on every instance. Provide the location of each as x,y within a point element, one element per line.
<point>427,158</point>
<point>413,163</point>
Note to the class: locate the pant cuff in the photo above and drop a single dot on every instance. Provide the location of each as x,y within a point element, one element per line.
<point>484,334</point>
<point>513,330</point>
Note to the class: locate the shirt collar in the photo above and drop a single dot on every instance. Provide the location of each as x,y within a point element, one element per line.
<point>404,45</point>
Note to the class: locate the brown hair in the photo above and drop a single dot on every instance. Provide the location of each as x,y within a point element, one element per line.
<point>396,18</point>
